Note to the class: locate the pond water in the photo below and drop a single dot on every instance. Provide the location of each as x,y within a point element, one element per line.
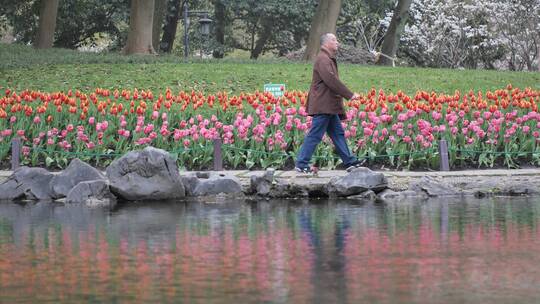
<point>438,251</point>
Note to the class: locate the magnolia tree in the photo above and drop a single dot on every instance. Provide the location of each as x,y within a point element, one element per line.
<point>518,26</point>
<point>457,33</point>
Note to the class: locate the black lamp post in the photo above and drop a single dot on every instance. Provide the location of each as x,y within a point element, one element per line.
<point>204,22</point>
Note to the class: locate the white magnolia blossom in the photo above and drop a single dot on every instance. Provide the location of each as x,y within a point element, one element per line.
<point>473,34</point>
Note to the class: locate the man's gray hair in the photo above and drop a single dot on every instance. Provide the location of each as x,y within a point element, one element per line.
<point>325,37</point>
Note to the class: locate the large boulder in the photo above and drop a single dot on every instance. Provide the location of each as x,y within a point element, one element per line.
<point>77,171</point>
<point>217,184</point>
<point>150,174</point>
<point>357,181</point>
<point>27,183</point>
<point>94,193</point>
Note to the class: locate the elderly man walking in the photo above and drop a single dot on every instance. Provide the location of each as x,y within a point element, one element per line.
<point>325,104</point>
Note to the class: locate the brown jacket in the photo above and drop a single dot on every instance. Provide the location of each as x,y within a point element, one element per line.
<point>327,91</point>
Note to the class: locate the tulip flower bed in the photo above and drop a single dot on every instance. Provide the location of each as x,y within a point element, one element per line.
<point>392,129</point>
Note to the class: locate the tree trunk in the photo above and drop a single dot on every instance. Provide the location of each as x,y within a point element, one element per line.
<point>538,55</point>
<point>391,38</point>
<point>171,22</point>
<point>535,47</point>
<point>324,21</point>
<point>220,23</point>
<point>47,24</point>
<point>159,16</point>
<point>265,34</point>
<point>252,44</point>
<point>141,17</point>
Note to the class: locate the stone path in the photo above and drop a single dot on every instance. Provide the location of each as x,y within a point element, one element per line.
<point>400,180</point>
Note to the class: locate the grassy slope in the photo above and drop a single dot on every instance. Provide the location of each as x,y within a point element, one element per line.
<point>22,67</point>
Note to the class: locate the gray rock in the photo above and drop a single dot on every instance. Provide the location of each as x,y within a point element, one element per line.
<point>390,195</point>
<point>262,185</point>
<point>92,193</point>
<point>364,196</point>
<point>27,183</point>
<point>202,174</point>
<point>357,181</point>
<point>150,174</point>
<point>220,198</point>
<point>434,188</point>
<point>77,171</point>
<point>216,184</point>
<point>519,189</point>
<point>190,182</point>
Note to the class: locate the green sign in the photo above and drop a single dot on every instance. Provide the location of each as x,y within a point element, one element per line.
<point>275,88</point>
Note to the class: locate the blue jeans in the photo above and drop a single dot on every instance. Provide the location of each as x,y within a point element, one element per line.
<point>331,124</point>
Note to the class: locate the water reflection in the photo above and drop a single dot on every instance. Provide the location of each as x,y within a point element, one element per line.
<point>323,251</point>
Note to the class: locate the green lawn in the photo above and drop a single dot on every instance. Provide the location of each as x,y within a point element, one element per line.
<point>22,67</point>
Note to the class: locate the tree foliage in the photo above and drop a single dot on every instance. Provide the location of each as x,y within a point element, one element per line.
<point>78,21</point>
<point>359,23</point>
<point>439,33</point>
<point>274,25</point>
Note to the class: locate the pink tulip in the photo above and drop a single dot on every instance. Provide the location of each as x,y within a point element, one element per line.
<point>37,120</point>
<point>12,119</point>
<point>91,120</point>
<point>149,128</point>
<point>368,132</point>
<point>6,133</point>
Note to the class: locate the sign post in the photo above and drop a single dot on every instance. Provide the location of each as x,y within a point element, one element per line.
<point>275,88</point>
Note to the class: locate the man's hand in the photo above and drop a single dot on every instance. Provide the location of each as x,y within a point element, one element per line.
<point>355,96</point>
